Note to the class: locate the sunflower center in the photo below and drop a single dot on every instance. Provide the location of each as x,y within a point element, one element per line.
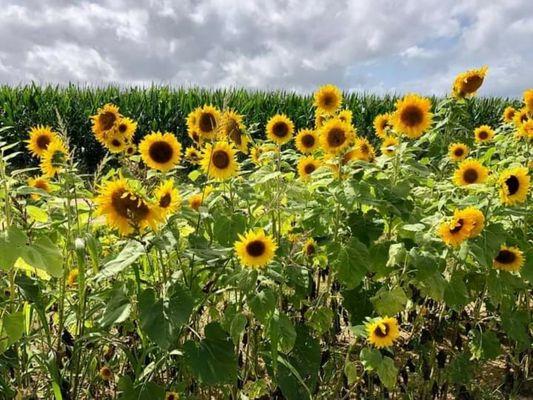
<point>328,100</point>
<point>234,132</point>
<point>308,141</point>
<point>171,397</point>
<point>483,135</point>
<point>505,257</point>
<point>458,226</point>
<point>459,152</point>
<point>107,120</point>
<point>382,330</point>
<point>161,152</point>
<point>310,249</point>
<point>207,122</point>
<point>309,168</point>
<point>220,159</point>
<point>412,116</point>
<point>40,185</point>
<point>384,124</point>
<point>470,175</point>
<point>130,150</point>
<point>472,84</point>
<point>524,118</point>
<point>364,148</point>
<point>280,129</point>
<point>116,143</point>
<point>129,206</point>
<point>336,137</point>
<point>513,184</point>
<point>195,137</point>
<point>256,248</point>
<point>43,141</point>
<point>122,128</point>
<point>164,201</point>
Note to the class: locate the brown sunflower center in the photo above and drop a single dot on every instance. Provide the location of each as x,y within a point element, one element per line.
<point>165,200</point>
<point>161,152</point>
<point>513,184</point>
<point>483,135</point>
<point>310,249</point>
<point>382,330</point>
<point>412,116</point>
<point>470,175</point>
<point>220,159</point>
<point>364,148</point>
<point>458,226</point>
<point>459,152</point>
<point>43,141</point>
<point>524,118</point>
<point>309,168</point>
<point>308,141</point>
<point>336,137</point>
<point>256,248</point>
<point>116,143</point>
<point>122,128</point>
<point>40,185</point>
<point>171,397</point>
<point>328,100</point>
<point>471,84</point>
<point>129,206</point>
<point>207,122</point>
<point>107,120</point>
<point>280,129</point>
<point>510,114</point>
<point>384,124</point>
<point>505,257</point>
<point>234,132</point>
<point>130,150</point>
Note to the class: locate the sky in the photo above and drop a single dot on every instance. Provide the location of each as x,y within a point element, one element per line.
<point>378,46</point>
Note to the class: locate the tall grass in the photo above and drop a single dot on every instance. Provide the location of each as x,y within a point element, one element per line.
<point>165,108</point>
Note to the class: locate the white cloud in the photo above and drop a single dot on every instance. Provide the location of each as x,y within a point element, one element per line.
<point>381,45</point>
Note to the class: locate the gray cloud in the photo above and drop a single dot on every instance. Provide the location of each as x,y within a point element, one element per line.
<point>371,45</point>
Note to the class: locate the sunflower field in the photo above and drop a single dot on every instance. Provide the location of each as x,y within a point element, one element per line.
<point>301,261</point>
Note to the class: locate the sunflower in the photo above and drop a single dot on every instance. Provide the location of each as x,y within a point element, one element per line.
<point>382,332</point>
<point>509,259</point>
<point>195,136</point>
<point>364,151</point>
<point>483,133</point>
<point>306,166</point>
<point>328,98</point>
<point>456,231</point>
<point>131,149</point>
<point>126,128</point>
<point>196,200</point>
<point>520,117</point>
<point>172,396</point>
<point>526,130</point>
<point>279,129</point>
<point>320,118</point>
<point>306,141</point>
<point>470,172</point>
<point>514,185</point>
<point>105,373</point>
<point>457,151</point>
<point>115,142</point>
<point>473,217</point>
<point>412,116</point>
<point>105,121</point>
<point>167,197</point>
<point>508,114</point>
<point>467,83</point>
<point>124,209</point>
<point>40,182</point>
<point>218,161</point>
<point>345,116</point>
<point>160,151</point>
<point>255,249</point>
<point>309,248</point>
<point>193,155</point>
<point>53,158</point>
<point>389,145</point>
<point>382,125</point>
<point>192,119</point>
<point>528,100</point>
<point>40,138</point>
<point>72,278</point>
<point>258,152</point>
<point>208,121</point>
<point>335,136</point>
<point>232,128</point>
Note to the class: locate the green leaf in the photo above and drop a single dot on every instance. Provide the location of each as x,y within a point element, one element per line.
<point>38,214</point>
<point>129,254</point>
<point>263,304</point>
<point>397,254</point>
<point>389,302</point>
<point>153,320</point>
<point>12,246</point>
<point>357,303</point>
<point>44,254</point>
<point>226,229</point>
<point>11,330</point>
<point>388,372</point>
<point>212,360</point>
<point>319,319</point>
<point>350,371</point>
<point>238,324</point>
<point>371,358</point>
<point>350,262</point>
<point>180,304</point>
<point>117,309</point>
<point>455,293</point>
<point>485,345</point>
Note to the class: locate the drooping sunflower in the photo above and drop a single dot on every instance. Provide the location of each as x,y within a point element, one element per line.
<point>364,151</point>
<point>306,141</point>
<point>328,98</point>
<point>508,114</point>
<point>383,332</point>
<point>473,217</point>
<point>54,158</point>
<point>528,100</point>
<point>455,231</point>
<point>467,83</point>
<point>345,116</point>
<point>193,155</point>
<point>39,182</point>
<point>335,136</point>
<point>514,185</point>
<point>124,209</point>
<point>255,249</point>
<point>412,116</point>
<point>457,152</point>
<point>470,172</point>
<point>232,128</point>
<point>195,136</point>
<point>196,200</point>
<point>383,125</point>
<point>167,197</point>
<point>208,121</point>
<point>160,151</point>
<point>306,166</point>
<point>509,258</point>
<point>104,121</point>
<point>279,129</point>
<point>483,133</point>
<point>218,161</point>
<point>389,145</point>
<point>309,248</point>
<point>40,137</point>
<point>126,127</point>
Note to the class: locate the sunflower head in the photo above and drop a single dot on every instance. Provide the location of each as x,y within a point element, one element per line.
<point>126,127</point>
<point>345,116</point>
<point>328,99</point>
<point>306,141</point>
<point>167,198</point>
<point>455,231</point>
<point>520,117</point>
<point>255,249</point>
<point>470,172</point>
<point>160,151</point>
<point>72,278</point>
<point>389,145</point>
<point>473,217</point>
<point>208,121</point>
<point>105,373</point>
<point>192,119</point>
<point>172,396</point>
<point>115,142</point>
<point>412,116</point>
<point>232,129</point>
<point>483,133</point>
<point>279,129</point>
<point>335,136</point>
<point>309,248</point>
<point>508,114</point>
<point>383,332</point>
<point>218,161</point>
<point>509,258</point>
<point>467,83</point>
<point>320,118</point>
<point>41,183</point>
<point>196,200</point>
<point>193,155</point>
<point>525,131</point>
<point>364,151</point>
<point>54,158</point>
<point>261,154</point>
<point>457,152</point>
<point>514,185</point>
<point>528,100</point>
<point>382,125</point>
<point>105,120</point>
<point>130,150</point>
<point>40,138</point>
<point>306,166</point>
